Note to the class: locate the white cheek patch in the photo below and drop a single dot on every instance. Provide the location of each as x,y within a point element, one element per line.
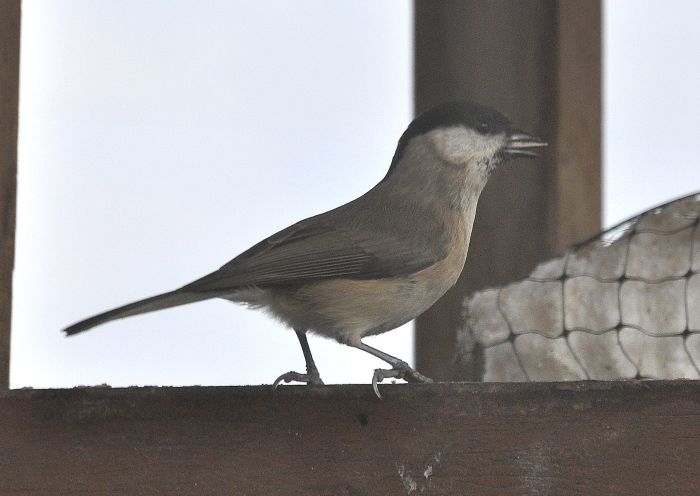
<point>459,145</point>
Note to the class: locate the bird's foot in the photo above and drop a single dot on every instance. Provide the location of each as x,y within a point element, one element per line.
<point>311,378</point>
<point>400,371</point>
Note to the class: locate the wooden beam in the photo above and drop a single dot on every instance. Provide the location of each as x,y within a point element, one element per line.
<point>578,124</point>
<point>539,63</point>
<point>9,99</point>
<point>478,439</point>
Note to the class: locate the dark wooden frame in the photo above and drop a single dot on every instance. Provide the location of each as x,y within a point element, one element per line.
<point>633,438</point>
<point>538,61</point>
<point>445,439</point>
<point>9,108</point>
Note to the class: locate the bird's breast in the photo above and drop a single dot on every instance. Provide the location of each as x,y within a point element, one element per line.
<point>347,309</point>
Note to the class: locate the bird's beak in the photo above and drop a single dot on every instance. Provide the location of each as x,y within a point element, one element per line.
<point>521,144</point>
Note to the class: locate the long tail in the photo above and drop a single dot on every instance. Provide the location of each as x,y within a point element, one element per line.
<point>158,302</point>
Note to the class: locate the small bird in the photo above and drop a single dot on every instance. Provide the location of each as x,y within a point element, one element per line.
<point>377,262</point>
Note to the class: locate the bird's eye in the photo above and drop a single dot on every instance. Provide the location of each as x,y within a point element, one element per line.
<point>483,127</point>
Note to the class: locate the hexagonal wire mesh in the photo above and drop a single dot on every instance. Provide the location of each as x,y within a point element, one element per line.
<point>624,304</point>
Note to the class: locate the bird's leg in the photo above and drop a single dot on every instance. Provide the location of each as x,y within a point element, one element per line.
<point>399,368</point>
<point>312,376</point>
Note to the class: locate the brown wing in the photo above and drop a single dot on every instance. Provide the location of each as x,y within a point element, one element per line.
<point>316,249</point>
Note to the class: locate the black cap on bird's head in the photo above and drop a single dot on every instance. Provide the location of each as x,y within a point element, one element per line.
<point>483,121</point>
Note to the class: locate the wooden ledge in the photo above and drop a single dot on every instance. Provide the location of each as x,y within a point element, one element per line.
<point>450,438</point>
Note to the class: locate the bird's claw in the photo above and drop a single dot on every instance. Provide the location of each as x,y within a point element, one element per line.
<point>400,371</point>
<point>310,378</point>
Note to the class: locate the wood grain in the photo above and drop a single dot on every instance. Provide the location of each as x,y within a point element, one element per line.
<point>9,101</point>
<point>562,439</point>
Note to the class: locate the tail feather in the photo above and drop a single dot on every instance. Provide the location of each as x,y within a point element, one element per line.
<point>158,302</point>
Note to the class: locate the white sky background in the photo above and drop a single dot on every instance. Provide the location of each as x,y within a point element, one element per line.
<point>160,139</point>
<point>651,104</point>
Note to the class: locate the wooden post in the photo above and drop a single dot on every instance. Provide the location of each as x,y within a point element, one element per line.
<point>539,63</point>
<point>9,99</point>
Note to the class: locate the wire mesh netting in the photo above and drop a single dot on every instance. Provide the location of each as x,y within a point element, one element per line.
<point>622,305</point>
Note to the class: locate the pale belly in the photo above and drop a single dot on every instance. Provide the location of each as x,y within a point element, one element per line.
<point>348,310</point>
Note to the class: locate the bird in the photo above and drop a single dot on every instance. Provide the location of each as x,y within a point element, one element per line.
<point>376,262</point>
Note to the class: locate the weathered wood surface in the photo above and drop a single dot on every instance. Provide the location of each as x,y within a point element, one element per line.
<point>9,93</point>
<point>634,438</point>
